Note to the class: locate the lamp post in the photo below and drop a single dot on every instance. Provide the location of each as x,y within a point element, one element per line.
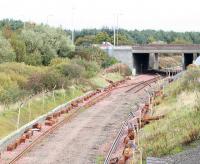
<point>119,14</point>
<point>73,28</point>
<point>116,28</point>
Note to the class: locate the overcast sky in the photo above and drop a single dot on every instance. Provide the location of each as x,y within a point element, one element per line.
<point>177,15</point>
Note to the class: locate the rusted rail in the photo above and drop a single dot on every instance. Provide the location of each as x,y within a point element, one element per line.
<point>90,100</point>
<point>113,147</point>
<point>145,83</point>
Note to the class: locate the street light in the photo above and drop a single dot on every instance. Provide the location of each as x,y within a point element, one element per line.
<point>73,28</point>
<point>116,28</point>
<point>119,14</point>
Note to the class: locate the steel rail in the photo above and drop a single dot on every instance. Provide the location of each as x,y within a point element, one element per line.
<point>56,126</point>
<point>116,141</point>
<point>144,82</point>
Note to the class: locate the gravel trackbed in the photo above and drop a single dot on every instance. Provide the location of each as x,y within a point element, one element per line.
<point>80,140</point>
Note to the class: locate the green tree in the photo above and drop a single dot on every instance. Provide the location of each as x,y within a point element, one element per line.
<point>85,40</point>
<point>181,41</point>
<point>19,47</point>
<point>6,51</point>
<point>102,37</point>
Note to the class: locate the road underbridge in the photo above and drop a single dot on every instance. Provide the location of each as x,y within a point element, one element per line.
<point>141,58</point>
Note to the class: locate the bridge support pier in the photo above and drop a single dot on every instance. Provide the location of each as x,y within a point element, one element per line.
<point>153,61</point>
<point>195,55</point>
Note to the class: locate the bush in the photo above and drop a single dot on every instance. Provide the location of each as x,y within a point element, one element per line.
<point>20,68</point>
<point>93,54</point>
<point>9,90</point>
<point>46,81</point>
<point>52,80</point>
<point>34,59</point>
<point>91,67</point>
<point>6,52</point>
<point>71,71</point>
<point>123,69</point>
<point>56,61</point>
<point>108,62</point>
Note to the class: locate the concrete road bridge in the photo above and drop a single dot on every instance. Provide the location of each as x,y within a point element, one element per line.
<point>141,58</point>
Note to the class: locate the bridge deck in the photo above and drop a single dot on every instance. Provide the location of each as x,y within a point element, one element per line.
<point>166,48</point>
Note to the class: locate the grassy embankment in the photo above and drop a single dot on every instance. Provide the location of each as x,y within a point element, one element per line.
<point>181,125</point>
<point>36,108</point>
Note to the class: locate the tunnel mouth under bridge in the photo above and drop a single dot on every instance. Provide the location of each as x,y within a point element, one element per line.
<point>188,59</point>
<point>141,62</point>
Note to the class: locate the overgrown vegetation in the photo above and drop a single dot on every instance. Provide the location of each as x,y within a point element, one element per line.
<point>181,125</point>
<point>40,60</point>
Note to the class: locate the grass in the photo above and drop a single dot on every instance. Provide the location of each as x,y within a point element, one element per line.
<point>179,128</point>
<point>100,81</point>
<point>8,118</point>
<point>99,159</point>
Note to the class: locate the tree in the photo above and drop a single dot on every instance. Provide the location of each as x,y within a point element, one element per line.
<point>181,41</point>
<point>102,37</point>
<point>85,40</point>
<point>19,47</point>
<point>49,42</point>
<point>13,24</point>
<point>7,54</point>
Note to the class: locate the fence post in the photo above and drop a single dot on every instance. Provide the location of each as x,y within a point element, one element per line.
<point>141,155</point>
<point>43,101</point>
<point>18,116</point>
<point>54,99</point>
<point>29,109</point>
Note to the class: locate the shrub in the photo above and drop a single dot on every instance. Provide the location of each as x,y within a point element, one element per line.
<point>52,80</point>
<point>91,67</point>
<point>34,59</point>
<point>6,52</point>
<point>46,81</point>
<point>71,71</point>
<point>123,69</point>
<point>93,54</point>
<point>19,79</point>
<point>58,60</point>
<point>20,68</point>
<point>9,90</point>
<point>108,62</point>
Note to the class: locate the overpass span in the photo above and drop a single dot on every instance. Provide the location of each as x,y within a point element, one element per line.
<point>141,58</point>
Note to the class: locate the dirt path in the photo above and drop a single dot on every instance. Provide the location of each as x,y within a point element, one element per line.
<point>78,141</point>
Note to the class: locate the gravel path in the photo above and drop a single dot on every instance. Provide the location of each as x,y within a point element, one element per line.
<point>190,156</point>
<point>78,141</point>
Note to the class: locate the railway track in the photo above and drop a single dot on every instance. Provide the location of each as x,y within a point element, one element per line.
<point>135,87</point>
<point>89,101</point>
<point>140,113</point>
<point>67,119</point>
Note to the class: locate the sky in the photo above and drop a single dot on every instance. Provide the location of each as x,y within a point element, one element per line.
<point>176,15</point>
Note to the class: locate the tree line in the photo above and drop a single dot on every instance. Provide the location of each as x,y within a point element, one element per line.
<point>129,37</point>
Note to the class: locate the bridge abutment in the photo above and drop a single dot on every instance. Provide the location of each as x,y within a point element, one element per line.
<point>140,58</point>
<point>153,61</point>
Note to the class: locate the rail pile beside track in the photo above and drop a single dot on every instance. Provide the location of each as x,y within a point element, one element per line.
<point>126,138</point>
